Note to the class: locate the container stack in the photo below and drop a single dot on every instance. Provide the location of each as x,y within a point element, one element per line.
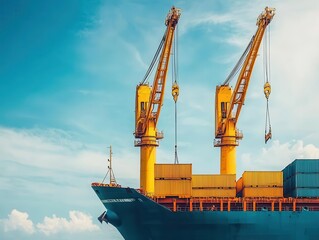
<point>301,178</point>
<point>173,180</point>
<point>260,184</point>
<point>214,185</point>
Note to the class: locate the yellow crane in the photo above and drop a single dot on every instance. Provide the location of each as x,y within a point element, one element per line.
<point>228,102</point>
<point>148,103</point>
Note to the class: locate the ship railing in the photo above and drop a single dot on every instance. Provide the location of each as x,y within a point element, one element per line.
<point>240,209</point>
<point>240,204</point>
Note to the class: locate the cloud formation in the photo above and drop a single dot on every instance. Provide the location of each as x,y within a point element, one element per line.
<point>18,221</point>
<point>55,150</point>
<point>279,155</point>
<point>77,222</point>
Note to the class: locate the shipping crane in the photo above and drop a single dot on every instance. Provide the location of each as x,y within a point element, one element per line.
<point>228,102</point>
<point>148,103</point>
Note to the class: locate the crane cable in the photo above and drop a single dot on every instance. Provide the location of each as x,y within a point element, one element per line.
<point>239,64</point>
<point>267,87</point>
<point>154,60</point>
<point>175,87</point>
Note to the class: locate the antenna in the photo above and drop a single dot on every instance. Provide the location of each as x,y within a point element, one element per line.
<point>112,182</point>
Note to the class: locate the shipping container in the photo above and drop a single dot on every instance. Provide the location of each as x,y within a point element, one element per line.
<point>303,192</point>
<point>173,171</point>
<point>262,179</point>
<point>176,188</point>
<point>239,185</point>
<point>302,180</point>
<point>214,192</point>
<point>262,192</point>
<point>214,181</point>
<point>301,166</point>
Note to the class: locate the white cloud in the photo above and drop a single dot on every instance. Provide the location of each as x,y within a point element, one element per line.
<point>136,55</point>
<point>56,150</point>
<point>278,155</point>
<point>78,222</point>
<point>18,221</point>
<point>294,63</point>
<point>203,19</point>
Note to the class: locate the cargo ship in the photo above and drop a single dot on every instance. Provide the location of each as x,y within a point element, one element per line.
<point>255,215</point>
<point>174,203</point>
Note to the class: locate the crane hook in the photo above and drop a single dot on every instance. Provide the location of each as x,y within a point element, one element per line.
<point>268,135</point>
<point>175,91</point>
<point>267,89</point>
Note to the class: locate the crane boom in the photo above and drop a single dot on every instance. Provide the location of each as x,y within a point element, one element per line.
<point>240,90</point>
<point>229,102</point>
<point>155,102</point>
<point>148,104</point>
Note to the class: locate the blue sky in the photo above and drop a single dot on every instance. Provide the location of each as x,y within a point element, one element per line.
<point>68,72</point>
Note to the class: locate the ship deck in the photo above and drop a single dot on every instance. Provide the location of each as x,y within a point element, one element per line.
<point>177,204</point>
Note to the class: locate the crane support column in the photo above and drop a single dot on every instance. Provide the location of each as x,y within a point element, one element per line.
<point>229,139</point>
<point>147,160</point>
<point>147,142</point>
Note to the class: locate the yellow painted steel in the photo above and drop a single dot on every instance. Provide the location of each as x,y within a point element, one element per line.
<point>148,103</point>
<point>228,158</point>
<point>229,135</point>
<point>148,142</point>
<point>175,91</point>
<point>267,89</point>
<point>147,160</point>
<point>228,103</point>
<point>142,98</point>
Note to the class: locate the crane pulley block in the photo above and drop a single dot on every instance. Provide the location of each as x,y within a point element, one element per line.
<point>175,91</point>
<point>267,89</point>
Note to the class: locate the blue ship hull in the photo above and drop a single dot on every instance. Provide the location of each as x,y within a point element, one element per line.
<point>139,218</point>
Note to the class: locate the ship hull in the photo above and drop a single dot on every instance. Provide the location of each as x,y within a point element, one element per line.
<point>139,218</point>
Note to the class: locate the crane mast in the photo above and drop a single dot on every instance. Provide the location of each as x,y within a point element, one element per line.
<point>228,102</point>
<point>148,103</point>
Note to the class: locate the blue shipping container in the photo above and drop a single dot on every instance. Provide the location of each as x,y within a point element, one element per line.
<point>301,166</point>
<point>303,192</point>
<point>302,180</point>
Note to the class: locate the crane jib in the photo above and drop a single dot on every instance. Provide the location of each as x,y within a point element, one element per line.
<point>229,102</point>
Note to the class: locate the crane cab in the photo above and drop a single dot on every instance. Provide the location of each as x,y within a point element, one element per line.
<point>143,93</point>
